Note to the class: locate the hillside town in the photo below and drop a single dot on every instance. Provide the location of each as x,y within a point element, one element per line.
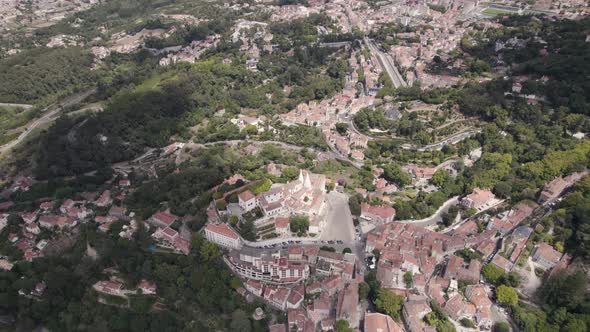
<point>315,281</point>
<point>296,166</point>
<point>413,261</point>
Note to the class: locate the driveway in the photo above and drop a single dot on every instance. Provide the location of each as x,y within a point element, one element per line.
<point>531,282</point>
<point>339,224</point>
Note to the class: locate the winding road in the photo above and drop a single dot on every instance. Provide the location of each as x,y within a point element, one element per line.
<point>436,217</point>
<point>333,152</point>
<point>51,113</point>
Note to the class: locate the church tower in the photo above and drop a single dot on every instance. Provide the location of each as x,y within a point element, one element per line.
<point>307,182</point>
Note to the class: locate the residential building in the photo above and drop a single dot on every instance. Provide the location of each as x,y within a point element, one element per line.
<point>458,308</point>
<point>162,219</point>
<point>546,256</point>
<point>295,297</point>
<point>477,295</point>
<point>67,204</point>
<point>346,307</point>
<point>421,173</point>
<point>33,228</point>
<point>297,320</point>
<point>61,222</point>
<point>170,238</point>
<point>320,308</point>
<point>282,225</point>
<point>110,287</point>
<point>478,199</point>
<point>262,265</point>
<point>255,287</point>
<point>146,287</point>
<point>377,213</point>
<point>502,263</point>
<point>247,201</point>
<point>223,235</point>
<point>104,199</point>
<point>376,322</point>
<point>457,269</point>
<point>29,217</point>
<point>118,212</point>
<point>414,310</point>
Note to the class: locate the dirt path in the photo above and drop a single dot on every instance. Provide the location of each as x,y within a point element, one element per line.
<point>25,106</point>
<point>531,282</point>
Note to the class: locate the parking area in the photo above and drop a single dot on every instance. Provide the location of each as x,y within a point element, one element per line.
<point>339,225</point>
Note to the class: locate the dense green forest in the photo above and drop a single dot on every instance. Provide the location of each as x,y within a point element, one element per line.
<point>33,75</point>
<point>556,49</point>
<point>527,144</point>
<point>184,98</point>
<point>196,292</point>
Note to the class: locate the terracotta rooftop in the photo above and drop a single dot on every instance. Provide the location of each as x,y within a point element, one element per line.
<point>223,229</point>
<point>480,196</point>
<point>281,222</point>
<point>502,263</point>
<point>375,322</point>
<point>548,253</point>
<point>246,196</point>
<point>383,211</point>
<point>164,217</point>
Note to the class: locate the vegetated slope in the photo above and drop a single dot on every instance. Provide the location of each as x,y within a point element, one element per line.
<point>35,74</point>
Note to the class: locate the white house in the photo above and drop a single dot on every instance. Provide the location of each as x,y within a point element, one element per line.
<point>223,235</point>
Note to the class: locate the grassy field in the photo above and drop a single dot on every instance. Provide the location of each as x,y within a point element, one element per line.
<point>153,82</point>
<point>496,11</point>
<point>11,118</point>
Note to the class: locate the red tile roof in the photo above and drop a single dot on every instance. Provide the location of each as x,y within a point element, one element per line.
<point>480,196</point>
<point>46,205</point>
<point>277,328</point>
<point>182,245</point>
<point>375,322</point>
<point>164,217</point>
<point>383,211</point>
<point>246,196</point>
<point>548,253</point>
<point>223,229</point>
<point>146,285</point>
<point>104,197</point>
<point>281,222</point>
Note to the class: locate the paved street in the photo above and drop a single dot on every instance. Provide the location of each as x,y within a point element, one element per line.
<point>436,217</point>
<point>339,225</point>
<point>387,64</point>
<point>52,113</point>
<point>438,146</point>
